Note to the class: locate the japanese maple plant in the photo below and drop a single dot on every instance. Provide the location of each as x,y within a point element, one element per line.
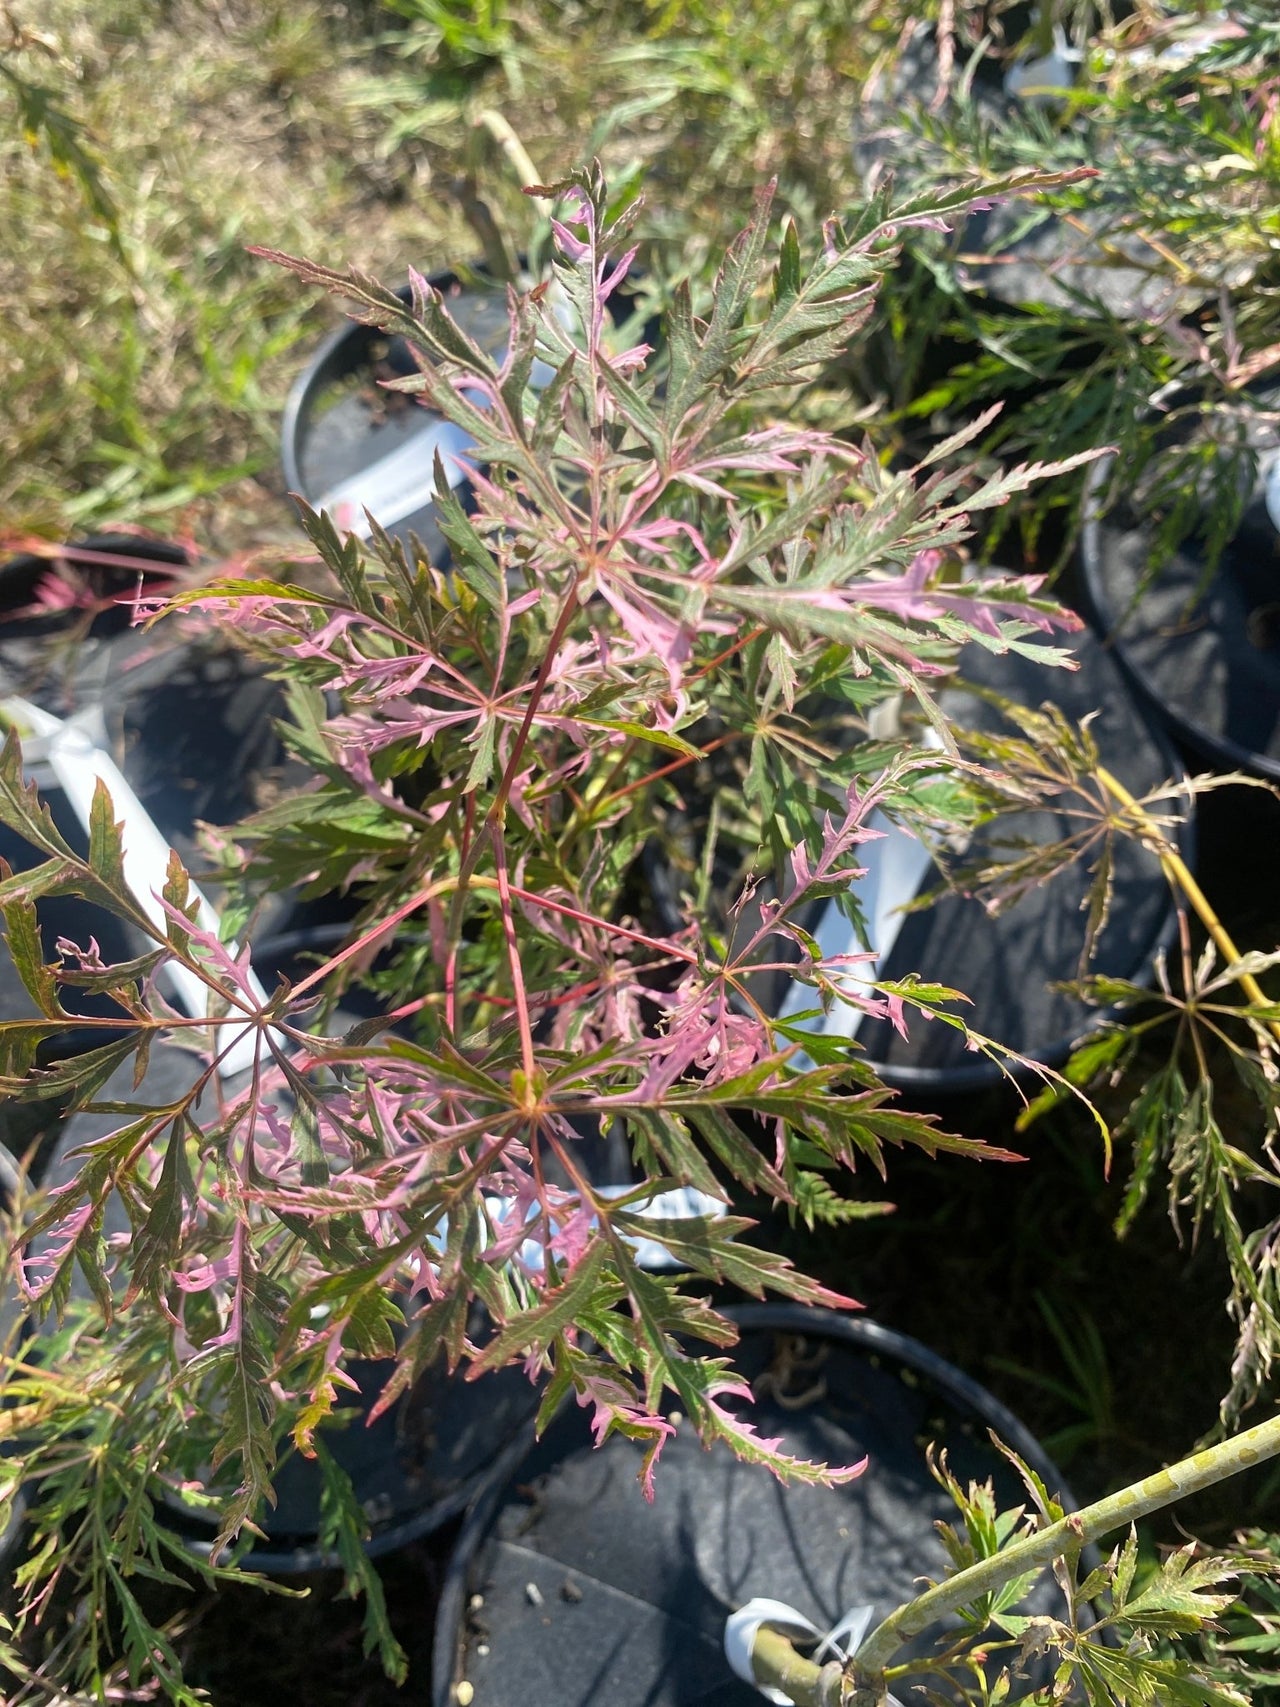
<point>663,590</point>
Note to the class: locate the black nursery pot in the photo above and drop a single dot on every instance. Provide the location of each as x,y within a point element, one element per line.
<point>566,1589</point>
<point>1202,648</point>
<point>192,730</point>
<point>63,652</point>
<point>98,577</point>
<point>78,921</point>
<point>346,443</point>
<point>190,723</point>
<point>96,580</point>
<point>412,1470</point>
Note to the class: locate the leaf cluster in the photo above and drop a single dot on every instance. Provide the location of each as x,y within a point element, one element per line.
<point>1132,1630</point>
<point>1158,268</point>
<point>1160,1049</point>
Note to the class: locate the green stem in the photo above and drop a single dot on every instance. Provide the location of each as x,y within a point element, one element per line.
<point>805,1681</point>
<point>776,1662</point>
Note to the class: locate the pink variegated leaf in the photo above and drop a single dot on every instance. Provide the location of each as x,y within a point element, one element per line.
<point>235,968</point>
<point>718,1422</point>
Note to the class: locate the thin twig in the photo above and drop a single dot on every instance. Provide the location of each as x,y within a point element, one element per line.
<point>1178,873</point>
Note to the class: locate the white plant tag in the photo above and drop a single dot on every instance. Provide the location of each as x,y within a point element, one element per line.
<point>741,1626</point>
<point>78,763</point>
<point>400,483</point>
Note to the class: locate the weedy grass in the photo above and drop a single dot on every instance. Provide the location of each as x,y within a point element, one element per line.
<point>146,355</point>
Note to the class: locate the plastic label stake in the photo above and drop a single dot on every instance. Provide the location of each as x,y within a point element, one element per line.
<point>401,483</point>
<point>78,763</point>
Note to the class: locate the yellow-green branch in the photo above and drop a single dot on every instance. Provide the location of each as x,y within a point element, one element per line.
<point>810,1685</point>
<point>1176,870</point>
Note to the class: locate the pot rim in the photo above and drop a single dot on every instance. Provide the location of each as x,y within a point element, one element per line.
<point>859,1332</point>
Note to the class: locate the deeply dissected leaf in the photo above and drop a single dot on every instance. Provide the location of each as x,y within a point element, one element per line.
<point>343,1526</point>
<point>79,1077</point>
<point>709,1248</point>
<point>157,1244</point>
<point>533,1333</point>
<point>735,1151</point>
<point>239,1370</point>
<point>26,950</point>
